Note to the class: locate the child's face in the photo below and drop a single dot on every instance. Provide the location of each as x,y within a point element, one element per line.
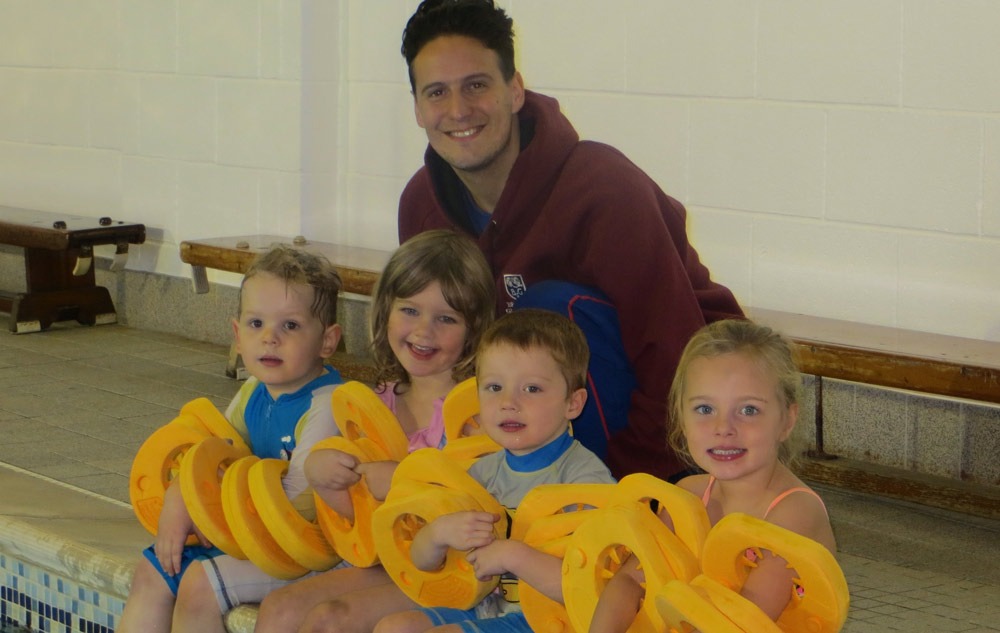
<point>282,343</point>
<point>733,420</point>
<point>426,334</point>
<point>523,398</point>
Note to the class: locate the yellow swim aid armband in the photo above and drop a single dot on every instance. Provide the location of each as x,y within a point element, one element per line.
<point>600,546</point>
<point>300,538</point>
<point>686,510</point>
<point>201,471</point>
<point>352,539</point>
<point>706,605</point>
<point>248,529</point>
<point>546,519</point>
<point>464,439</point>
<point>358,412</point>
<point>819,596</point>
<point>204,413</point>
<point>156,464</point>
<point>159,458</point>
<point>427,485</point>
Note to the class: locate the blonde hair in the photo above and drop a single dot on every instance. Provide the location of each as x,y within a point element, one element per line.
<point>456,263</point>
<point>757,342</point>
<point>532,328</point>
<point>295,266</point>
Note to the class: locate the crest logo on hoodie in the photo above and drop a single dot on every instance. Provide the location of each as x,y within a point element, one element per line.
<point>515,286</point>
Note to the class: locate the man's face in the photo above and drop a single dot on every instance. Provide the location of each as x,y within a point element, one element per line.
<point>463,103</point>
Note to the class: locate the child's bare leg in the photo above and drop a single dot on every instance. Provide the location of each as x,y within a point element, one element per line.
<point>283,610</point>
<point>197,608</point>
<point>406,622</point>
<point>356,612</point>
<point>150,604</point>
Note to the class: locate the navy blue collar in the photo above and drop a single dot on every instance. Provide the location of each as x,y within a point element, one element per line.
<point>540,457</point>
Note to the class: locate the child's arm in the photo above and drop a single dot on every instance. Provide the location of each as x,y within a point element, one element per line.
<point>769,585</point>
<point>540,570</point>
<point>459,530</point>
<point>172,530</point>
<point>620,600</point>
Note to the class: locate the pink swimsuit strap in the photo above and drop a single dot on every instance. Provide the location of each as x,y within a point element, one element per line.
<point>711,484</point>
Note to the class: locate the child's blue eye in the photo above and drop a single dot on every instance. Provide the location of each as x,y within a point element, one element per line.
<point>703,409</point>
<point>749,410</point>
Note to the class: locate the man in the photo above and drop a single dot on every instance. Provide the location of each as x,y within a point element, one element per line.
<point>567,225</point>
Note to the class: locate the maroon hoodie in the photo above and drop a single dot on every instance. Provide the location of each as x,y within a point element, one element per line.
<point>581,212</point>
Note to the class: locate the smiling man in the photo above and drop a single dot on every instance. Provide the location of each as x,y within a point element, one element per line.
<point>567,225</point>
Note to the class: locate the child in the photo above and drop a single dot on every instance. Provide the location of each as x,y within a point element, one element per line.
<point>285,329</point>
<point>735,398</point>
<point>429,307</point>
<point>531,370</point>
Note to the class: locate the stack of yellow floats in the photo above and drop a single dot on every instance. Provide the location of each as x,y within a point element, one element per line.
<point>693,574</point>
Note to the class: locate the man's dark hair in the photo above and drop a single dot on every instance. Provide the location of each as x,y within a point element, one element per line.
<point>481,20</point>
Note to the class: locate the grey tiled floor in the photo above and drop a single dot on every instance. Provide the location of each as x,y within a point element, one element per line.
<point>76,402</point>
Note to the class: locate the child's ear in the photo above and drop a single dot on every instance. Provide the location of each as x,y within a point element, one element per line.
<point>331,339</point>
<point>574,404</point>
<point>791,418</point>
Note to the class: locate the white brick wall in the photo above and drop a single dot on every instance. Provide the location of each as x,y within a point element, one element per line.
<point>838,157</point>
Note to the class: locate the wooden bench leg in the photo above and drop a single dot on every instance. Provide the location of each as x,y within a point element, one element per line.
<point>819,452</point>
<point>60,287</point>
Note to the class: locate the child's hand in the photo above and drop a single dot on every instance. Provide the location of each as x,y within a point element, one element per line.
<point>459,530</point>
<point>378,476</point>
<point>172,530</point>
<point>331,469</point>
<point>464,530</point>
<point>493,559</point>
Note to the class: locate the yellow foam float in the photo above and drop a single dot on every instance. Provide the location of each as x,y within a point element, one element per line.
<point>546,519</point>
<point>299,537</point>
<point>464,439</point>
<point>602,543</point>
<point>248,528</point>
<point>201,486</point>
<point>818,606</point>
<point>427,485</point>
<point>358,412</point>
<point>706,605</point>
<point>159,458</point>
<point>352,538</point>
<point>686,511</point>
<point>155,466</point>
<point>550,515</point>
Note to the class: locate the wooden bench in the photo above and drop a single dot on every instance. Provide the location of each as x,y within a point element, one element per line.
<point>58,265</point>
<point>901,359</point>
<point>358,268</point>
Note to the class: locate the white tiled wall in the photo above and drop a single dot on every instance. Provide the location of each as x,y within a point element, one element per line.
<point>837,157</point>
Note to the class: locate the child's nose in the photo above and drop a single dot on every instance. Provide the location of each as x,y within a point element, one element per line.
<point>508,401</point>
<point>724,424</point>
<point>424,327</point>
